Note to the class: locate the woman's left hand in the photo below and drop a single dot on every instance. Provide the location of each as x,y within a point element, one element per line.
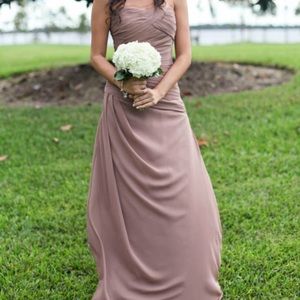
<point>149,98</point>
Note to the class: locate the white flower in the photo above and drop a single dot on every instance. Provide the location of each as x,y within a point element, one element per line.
<point>139,58</point>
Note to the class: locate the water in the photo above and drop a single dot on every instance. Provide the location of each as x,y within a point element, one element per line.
<point>199,36</point>
<point>255,35</point>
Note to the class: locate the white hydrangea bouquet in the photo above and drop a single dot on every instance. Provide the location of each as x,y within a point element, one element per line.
<point>136,59</point>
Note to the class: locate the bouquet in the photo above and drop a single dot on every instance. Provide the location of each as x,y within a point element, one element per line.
<point>136,59</point>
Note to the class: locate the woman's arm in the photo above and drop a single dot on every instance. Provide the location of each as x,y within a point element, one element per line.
<point>182,48</point>
<point>99,32</point>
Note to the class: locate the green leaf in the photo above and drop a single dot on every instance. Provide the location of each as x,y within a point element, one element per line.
<point>119,75</point>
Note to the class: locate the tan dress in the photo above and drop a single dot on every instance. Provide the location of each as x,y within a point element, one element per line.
<point>152,219</point>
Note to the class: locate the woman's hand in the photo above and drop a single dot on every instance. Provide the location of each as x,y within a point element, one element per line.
<point>134,85</point>
<point>148,98</point>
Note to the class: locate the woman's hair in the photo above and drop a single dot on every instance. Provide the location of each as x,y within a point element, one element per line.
<point>116,5</point>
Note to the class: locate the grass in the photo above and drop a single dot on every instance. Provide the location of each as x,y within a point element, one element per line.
<point>252,158</point>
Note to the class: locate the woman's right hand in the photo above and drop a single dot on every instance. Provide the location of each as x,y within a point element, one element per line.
<point>134,86</point>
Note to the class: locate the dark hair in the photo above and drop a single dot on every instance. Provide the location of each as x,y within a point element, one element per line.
<point>116,5</point>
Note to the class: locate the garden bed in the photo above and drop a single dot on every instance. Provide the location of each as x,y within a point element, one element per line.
<point>81,84</point>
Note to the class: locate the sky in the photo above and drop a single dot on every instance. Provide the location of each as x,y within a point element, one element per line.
<point>198,14</point>
<point>228,14</point>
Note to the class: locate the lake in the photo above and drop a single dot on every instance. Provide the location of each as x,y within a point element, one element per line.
<point>199,36</point>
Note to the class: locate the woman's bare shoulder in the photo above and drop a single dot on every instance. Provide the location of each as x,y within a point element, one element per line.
<point>178,4</point>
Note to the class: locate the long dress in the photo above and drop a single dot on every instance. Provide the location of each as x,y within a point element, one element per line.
<point>153,223</point>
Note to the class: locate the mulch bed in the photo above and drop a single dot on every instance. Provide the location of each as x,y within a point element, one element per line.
<point>81,84</point>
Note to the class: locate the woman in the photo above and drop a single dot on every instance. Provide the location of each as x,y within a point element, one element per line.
<point>152,220</point>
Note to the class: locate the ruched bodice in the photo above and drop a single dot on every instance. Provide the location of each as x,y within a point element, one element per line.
<point>156,25</point>
<point>152,218</point>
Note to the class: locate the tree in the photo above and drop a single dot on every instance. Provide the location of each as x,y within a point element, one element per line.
<point>263,5</point>
<point>20,19</point>
<point>83,24</point>
<point>58,19</point>
<point>298,9</point>
<point>258,6</point>
<point>20,2</point>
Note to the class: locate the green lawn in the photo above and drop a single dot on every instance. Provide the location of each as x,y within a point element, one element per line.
<point>253,159</point>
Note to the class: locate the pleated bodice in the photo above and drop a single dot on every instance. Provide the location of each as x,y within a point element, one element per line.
<point>154,25</point>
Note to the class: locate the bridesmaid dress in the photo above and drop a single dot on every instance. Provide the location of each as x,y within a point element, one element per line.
<point>153,223</point>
